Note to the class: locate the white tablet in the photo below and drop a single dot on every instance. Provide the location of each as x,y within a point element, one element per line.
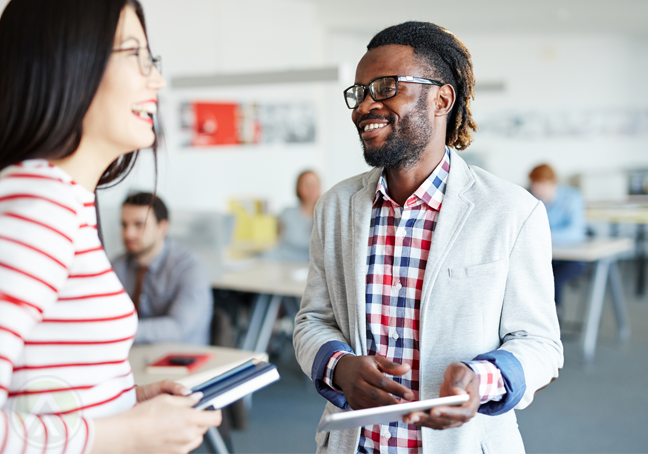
<point>385,414</point>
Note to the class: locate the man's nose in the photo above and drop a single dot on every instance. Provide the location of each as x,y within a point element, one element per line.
<point>368,105</point>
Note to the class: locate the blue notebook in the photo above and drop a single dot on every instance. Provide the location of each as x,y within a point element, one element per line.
<point>235,384</point>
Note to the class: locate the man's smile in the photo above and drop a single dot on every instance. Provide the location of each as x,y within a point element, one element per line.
<point>372,128</point>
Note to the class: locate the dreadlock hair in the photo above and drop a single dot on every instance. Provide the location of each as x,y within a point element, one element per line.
<point>448,60</point>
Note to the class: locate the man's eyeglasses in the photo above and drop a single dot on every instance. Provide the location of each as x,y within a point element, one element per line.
<point>380,89</point>
<point>146,60</point>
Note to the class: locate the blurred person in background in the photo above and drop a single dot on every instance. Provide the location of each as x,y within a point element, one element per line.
<point>296,223</point>
<point>566,212</point>
<point>78,97</point>
<point>168,284</point>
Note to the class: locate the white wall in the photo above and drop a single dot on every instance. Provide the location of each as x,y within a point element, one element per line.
<point>548,74</point>
<point>558,76</point>
<point>198,37</point>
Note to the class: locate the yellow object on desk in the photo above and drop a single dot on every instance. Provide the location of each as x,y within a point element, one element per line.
<point>252,223</point>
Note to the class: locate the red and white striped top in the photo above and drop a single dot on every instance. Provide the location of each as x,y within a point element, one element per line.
<point>66,324</point>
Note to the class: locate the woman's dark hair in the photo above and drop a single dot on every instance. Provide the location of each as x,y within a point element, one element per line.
<point>53,55</point>
<point>448,59</point>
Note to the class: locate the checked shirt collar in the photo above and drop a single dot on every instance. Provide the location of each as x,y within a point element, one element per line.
<point>430,192</point>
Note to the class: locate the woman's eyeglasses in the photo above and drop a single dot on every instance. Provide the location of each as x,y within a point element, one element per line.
<point>146,60</point>
<point>381,88</point>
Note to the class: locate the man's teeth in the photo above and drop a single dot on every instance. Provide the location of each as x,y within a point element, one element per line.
<point>370,127</point>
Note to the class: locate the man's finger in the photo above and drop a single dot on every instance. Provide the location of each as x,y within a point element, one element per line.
<point>380,381</point>
<point>425,419</point>
<point>461,413</point>
<point>391,368</point>
<point>367,395</point>
<point>436,422</point>
<point>456,390</point>
<point>414,417</point>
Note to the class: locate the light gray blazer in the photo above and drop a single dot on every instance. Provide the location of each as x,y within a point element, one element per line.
<point>488,285</point>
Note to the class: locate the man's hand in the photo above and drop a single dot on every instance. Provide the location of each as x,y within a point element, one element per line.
<point>458,379</point>
<point>364,384</point>
<point>146,392</point>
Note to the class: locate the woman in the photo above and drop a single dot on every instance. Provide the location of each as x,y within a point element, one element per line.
<point>296,223</point>
<point>78,91</point>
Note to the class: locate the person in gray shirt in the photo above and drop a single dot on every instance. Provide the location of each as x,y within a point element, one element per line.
<point>167,283</point>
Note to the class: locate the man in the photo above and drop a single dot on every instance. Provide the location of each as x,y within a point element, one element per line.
<point>427,277</point>
<point>566,212</point>
<point>168,284</point>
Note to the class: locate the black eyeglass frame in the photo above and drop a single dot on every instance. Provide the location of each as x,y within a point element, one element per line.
<point>397,78</point>
<point>154,61</point>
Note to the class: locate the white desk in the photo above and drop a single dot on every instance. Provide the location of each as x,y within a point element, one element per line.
<point>267,277</point>
<point>223,360</point>
<point>274,283</point>
<point>603,252</point>
<point>279,282</point>
<point>635,213</point>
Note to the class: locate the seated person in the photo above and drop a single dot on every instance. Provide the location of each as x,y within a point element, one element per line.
<point>296,223</point>
<point>566,212</point>
<point>168,283</point>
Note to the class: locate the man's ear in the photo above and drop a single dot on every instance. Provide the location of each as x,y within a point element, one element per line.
<point>444,100</point>
<point>163,226</point>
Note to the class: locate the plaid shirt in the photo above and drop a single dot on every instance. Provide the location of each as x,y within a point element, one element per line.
<point>399,243</point>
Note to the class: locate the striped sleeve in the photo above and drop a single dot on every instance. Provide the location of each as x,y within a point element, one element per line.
<point>38,224</point>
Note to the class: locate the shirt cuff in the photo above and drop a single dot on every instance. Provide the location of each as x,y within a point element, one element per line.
<point>514,381</point>
<point>491,384</point>
<point>330,368</point>
<point>320,368</point>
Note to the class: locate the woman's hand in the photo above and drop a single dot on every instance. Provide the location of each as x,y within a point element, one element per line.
<point>146,392</point>
<point>163,424</point>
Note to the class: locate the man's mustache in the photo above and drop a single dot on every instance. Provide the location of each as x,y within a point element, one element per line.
<point>372,116</point>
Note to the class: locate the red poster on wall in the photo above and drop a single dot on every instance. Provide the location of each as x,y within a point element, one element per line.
<point>215,124</point>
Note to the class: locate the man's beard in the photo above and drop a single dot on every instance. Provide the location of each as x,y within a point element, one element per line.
<point>143,251</point>
<point>405,144</point>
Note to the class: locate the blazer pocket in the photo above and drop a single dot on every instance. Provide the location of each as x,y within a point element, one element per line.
<point>478,270</point>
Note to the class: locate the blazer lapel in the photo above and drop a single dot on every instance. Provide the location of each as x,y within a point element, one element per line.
<point>453,215</point>
<point>361,205</point>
